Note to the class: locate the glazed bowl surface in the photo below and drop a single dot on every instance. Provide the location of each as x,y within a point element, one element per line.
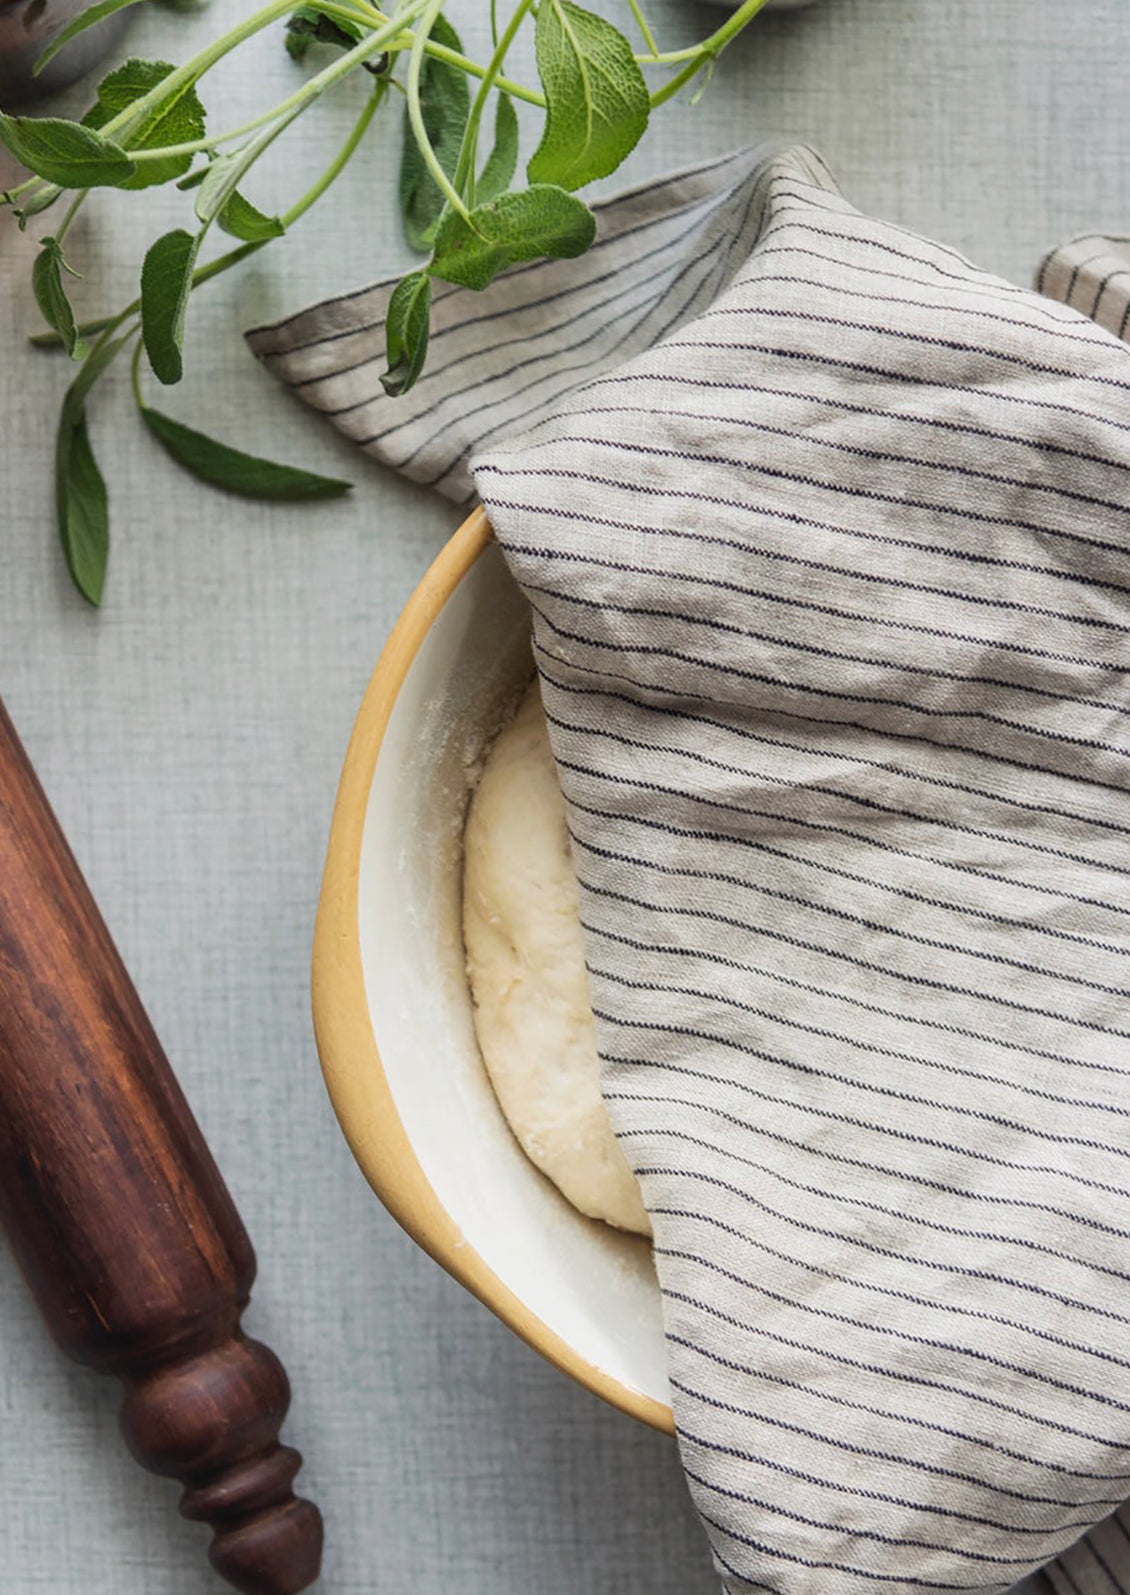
<point>392,1009</point>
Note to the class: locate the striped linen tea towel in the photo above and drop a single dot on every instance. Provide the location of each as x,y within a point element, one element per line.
<point>826,536</point>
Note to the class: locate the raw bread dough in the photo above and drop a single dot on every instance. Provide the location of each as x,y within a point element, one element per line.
<point>526,962</point>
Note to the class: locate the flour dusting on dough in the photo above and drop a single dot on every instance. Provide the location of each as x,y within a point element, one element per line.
<point>526,963</point>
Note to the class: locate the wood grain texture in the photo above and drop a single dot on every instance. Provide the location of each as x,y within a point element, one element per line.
<point>120,1219</point>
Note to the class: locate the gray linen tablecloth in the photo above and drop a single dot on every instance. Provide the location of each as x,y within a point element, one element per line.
<point>190,736</point>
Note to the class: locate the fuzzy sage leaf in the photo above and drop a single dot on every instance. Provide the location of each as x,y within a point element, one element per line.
<point>445,102</point>
<point>231,469</point>
<point>83,508</point>
<point>66,152</point>
<point>226,172</point>
<point>241,219</point>
<point>178,120</point>
<point>81,503</point>
<point>193,180</point>
<point>96,363</point>
<point>597,102</point>
<point>406,332</point>
<point>218,185</point>
<point>51,296</point>
<point>36,203</point>
<point>535,221</point>
<point>310,26</point>
<point>166,282</point>
<point>85,19</point>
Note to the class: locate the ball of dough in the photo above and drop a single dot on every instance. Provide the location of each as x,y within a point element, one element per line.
<point>526,963</point>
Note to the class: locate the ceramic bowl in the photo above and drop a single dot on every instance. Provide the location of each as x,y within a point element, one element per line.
<point>392,1009</point>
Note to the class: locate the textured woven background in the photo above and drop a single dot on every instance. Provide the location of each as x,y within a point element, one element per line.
<point>191,735</point>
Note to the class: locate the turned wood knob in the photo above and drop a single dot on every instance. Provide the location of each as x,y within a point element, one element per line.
<point>118,1216</point>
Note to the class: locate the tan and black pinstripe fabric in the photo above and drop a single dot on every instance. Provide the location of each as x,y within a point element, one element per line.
<point>1092,275</point>
<point>827,539</point>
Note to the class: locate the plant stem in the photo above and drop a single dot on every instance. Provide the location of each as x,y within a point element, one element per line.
<point>108,329</point>
<point>202,274</point>
<point>11,194</point>
<point>377,41</point>
<point>416,114</point>
<point>443,52</point>
<point>52,340</point>
<point>340,160</point>
<point>222,263</point>
<point>648,36</point>
<point>345,13</point>
<point>109,324</point>
<point>375,44</point>
<point>135,375</point>
<point>517,91</point>
<point>698,57</point>
<point>401,39</point>
<point>72,211</point>
<point>402,42</point>
<point>188,74</point>
<point>465,167</point>
<point>309,91</point>
<point>184,76</point>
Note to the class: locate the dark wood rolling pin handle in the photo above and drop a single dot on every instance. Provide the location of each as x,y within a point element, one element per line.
<point>119,1217</point>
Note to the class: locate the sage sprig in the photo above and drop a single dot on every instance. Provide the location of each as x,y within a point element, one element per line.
<point>460,204</point>
<point>51,295</point>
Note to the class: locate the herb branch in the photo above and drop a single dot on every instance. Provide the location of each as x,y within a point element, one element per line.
<point>148,127</point>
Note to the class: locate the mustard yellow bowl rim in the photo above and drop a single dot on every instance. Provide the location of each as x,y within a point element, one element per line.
<point>351,1064</point>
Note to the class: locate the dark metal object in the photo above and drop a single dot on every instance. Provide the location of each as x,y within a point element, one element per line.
<point>27,27</point>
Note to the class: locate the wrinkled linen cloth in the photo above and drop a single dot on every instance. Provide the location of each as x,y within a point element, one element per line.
<point>826,535</point>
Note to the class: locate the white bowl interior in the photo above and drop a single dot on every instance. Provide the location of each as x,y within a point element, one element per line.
<point>593,1286</point>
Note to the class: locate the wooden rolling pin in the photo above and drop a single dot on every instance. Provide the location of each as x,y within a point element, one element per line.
<point>118,1216</point>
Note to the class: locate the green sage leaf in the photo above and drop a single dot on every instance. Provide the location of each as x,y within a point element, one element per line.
<point>96,362</point>
<point>83,511</point>
<point>298,41</point>
<point>309,26</point>
<point>218,186</point>
<point>193,180</point>
<point>66,152</point>
<point>597,102</point>
<point>241,219</point>
<point>445,102</point>
<point>233,470</point>
<point>51,296</point>
<point>522,225</point>
<point>85,19</point>
<point>226,172</point>
<point>166,282</point>
<point>406,332</point>
<point>498,172</point>
<point>81,504</point>
<point>178,120</point>
<point>36,202</point>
